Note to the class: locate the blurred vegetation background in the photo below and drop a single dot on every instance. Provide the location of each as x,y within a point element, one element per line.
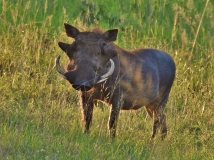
<point>39,113</point>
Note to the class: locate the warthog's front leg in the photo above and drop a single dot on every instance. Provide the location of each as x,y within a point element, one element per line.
<point>114,114</point>
<point>86,104</point>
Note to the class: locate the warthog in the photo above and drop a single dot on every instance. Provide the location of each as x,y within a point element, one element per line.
<point>126,80</point>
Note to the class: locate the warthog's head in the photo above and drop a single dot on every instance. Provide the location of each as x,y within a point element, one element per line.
<point>90,57</point>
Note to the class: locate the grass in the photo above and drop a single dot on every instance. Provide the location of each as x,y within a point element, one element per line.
<point>39,113</point>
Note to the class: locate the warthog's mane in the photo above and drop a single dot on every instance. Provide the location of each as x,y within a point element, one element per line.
<point>98,30</point>
<point>93,39</point>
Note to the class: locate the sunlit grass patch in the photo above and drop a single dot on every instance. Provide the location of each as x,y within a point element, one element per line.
<point>39,112</point>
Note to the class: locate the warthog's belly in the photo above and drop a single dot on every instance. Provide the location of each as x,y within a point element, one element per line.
<point>131,103</point>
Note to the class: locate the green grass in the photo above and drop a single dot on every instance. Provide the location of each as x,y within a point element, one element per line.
<point>39,113</point>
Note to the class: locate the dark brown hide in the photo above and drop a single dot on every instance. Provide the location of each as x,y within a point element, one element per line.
<point>132,79</point>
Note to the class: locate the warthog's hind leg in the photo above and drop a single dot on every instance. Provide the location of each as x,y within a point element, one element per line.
<point>155,111</point>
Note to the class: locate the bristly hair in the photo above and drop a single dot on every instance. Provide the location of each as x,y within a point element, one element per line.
<point>91,38</point>
<point>98,30</point>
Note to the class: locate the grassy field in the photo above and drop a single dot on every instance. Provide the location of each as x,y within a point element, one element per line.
<point>39,113</point>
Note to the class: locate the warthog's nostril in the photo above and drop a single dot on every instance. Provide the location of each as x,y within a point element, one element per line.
<point>82,87</point>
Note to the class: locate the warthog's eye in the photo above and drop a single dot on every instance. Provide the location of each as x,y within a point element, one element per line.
<point>102,48</point>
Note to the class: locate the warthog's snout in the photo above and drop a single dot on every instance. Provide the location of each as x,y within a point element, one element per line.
<point>83,86</point>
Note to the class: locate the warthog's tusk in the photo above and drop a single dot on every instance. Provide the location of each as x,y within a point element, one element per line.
<point>59,68</point>
<point>108,74</point>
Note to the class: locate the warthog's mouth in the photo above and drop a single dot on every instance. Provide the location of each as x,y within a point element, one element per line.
<point>102,78</point>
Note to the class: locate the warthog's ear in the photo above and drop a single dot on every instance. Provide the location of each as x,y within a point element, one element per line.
<point>63,46</point>
<point>110,35</point>
<point>71,31</point>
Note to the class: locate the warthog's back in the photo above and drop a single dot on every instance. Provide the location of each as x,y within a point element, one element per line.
<point>163,62</point>
<point>146,75</point>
